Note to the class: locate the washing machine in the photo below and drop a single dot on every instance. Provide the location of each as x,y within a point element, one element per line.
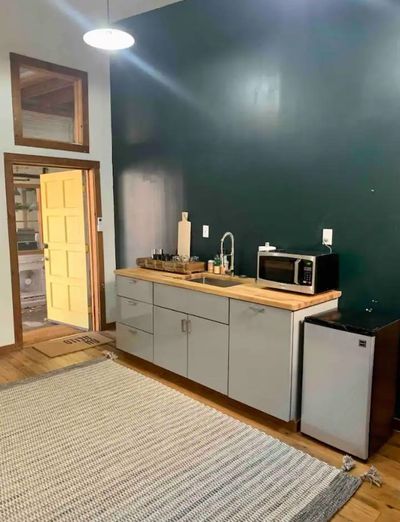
<point>32,280</point>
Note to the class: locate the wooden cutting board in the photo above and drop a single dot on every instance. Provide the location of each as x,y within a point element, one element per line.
<point>184,231</point>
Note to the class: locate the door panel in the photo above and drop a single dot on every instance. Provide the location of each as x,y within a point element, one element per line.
<point>66,252</point>
<point>170,340</point>
<point>208,353</point>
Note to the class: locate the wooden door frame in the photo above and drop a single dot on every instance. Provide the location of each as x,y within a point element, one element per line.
<point>96,250</point>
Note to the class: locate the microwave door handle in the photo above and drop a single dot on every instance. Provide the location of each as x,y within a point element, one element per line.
<point>296,271</point>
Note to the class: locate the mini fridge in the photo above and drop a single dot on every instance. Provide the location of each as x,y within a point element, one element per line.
<point>349,379</point>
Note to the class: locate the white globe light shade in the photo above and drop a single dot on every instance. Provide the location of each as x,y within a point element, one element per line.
<point>109,39</point>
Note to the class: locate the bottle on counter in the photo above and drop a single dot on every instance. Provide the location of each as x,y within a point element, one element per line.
<point>210,266</point>
<point>225,264</point>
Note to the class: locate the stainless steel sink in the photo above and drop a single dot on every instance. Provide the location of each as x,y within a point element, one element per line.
<point>215,282</point>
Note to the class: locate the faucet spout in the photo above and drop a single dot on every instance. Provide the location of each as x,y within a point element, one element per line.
<point>232,254</point>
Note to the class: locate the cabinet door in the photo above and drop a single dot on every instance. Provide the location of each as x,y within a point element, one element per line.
<point>135,342</point>
<point>208,353</point>
<point>170,340</point>
<point>260,357</point>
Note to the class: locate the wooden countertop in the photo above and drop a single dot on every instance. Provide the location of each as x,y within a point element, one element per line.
<point>249,290</point>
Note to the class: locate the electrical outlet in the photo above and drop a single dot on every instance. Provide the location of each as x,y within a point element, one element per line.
<point>206,231</point>
<point>327,236</point>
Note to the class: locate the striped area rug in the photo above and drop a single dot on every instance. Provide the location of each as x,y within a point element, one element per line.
<point>100,442</point>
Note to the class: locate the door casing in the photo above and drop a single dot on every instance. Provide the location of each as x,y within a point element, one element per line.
<point>96,252</point>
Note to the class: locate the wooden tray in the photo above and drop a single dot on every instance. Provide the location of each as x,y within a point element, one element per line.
<point>178,267</point>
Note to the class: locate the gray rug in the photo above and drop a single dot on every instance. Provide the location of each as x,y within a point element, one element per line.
<point>100,442</point>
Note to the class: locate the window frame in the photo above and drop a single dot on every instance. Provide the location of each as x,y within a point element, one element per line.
<point>81,118</point>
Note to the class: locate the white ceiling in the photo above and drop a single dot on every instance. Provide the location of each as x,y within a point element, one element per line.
<point>120,9</point>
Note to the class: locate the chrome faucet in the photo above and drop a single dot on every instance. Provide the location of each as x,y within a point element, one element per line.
<point>232,254</point>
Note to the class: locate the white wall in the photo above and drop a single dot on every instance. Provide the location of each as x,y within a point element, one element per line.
<point>120,9</point>
<point>52,30</point>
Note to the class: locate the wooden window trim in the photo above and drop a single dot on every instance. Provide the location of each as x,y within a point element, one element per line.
<point>96,246</point>
<point>81,126</point>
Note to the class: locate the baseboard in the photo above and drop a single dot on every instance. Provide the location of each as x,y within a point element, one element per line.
<point>8,348</point>
<point>109,326</point>
<point>396,424</point>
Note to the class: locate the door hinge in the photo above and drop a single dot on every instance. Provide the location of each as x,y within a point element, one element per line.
<point>87,249</point>
<point>90,310</point>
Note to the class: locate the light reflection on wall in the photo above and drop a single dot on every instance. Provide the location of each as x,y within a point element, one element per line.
<point>261,97</point>
<point>150,203</point>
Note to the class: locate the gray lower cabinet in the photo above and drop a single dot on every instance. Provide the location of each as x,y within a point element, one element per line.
<point>191,302</point>
<point>251,353</point>
<point>208,353</point>
<point>260,357</point>
<point>135,289</point>
<point>135,342</point>
<point>170,340</point>
<point>135,313</point>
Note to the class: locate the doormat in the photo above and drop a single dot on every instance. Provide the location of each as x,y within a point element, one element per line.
<point>71,344</point>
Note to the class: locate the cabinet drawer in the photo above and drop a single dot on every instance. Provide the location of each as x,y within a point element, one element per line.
<point>135,342</point>
<point>135,313</point>
<point>191,302</point>
<point>135,289</point>
<point>260,352</point>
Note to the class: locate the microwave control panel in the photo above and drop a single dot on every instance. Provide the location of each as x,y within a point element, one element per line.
<point>307,273</point>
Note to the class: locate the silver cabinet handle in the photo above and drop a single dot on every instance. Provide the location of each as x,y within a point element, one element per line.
<point>132,303</point>
<point>132,281</point>
<point>132,331</point>
<point>189,326</point>
<point>257,309</point>
<point>183,325</point>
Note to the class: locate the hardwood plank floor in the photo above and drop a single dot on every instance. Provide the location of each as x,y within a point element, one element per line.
<point>48,332</point>
<point>369,504</point>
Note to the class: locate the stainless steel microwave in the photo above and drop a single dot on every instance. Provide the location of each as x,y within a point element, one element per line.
<point>306,273</point>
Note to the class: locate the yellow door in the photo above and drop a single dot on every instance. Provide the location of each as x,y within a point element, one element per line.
<point>65,252</point>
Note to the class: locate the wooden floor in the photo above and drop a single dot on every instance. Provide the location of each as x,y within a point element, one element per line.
<point>48,332</point>
<point>370,503</point>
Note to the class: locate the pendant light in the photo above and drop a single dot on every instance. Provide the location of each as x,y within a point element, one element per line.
<point>109,38</point>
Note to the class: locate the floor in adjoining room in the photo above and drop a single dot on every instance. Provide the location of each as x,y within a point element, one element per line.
<point>35,317</point>
<point>370,503</point>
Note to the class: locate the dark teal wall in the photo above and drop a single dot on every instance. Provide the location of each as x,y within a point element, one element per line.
<point>283,118</point>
